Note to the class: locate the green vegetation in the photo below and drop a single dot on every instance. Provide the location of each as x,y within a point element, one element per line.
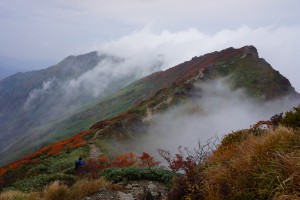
<point>138,173</point>
<point>46,170</point>
<point>292,118</point>
<point>249,164</point>
<point>41,181</point>
<point>259,79</point>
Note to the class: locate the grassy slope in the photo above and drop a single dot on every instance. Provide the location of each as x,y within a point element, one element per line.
<point>172,83</point>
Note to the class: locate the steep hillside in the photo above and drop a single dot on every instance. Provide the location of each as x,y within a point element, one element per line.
<point>243,67</point>
<point>32,102</point>
<point>15,91</point>
<point>127,109</point>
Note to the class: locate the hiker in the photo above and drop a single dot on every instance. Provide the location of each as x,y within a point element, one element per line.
<point>79,163</point>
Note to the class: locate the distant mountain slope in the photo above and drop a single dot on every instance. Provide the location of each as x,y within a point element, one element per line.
<point>243,67</point>
<point>16,91</point>
<point>32,104</point>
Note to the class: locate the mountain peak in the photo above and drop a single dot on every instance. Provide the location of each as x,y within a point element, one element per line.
<point>250,51</point>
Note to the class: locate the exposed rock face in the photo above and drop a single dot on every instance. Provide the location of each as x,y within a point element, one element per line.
<point>134,190</point>
<point>250,51</point>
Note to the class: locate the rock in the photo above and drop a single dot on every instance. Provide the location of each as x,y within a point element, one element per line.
<point>135,185</point>
<point>151,187</point>
<point>124,196</point>
<point>128,187</point>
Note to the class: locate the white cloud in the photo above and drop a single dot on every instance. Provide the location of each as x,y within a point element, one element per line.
<point>217,112</point>
<point>71,26</point>
<point>279,46</point>
<point>38,94</point>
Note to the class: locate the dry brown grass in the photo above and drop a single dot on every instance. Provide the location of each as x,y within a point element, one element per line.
<point>259,167</point>
<point>85,187</point>
<point>11,195</point>
<point>59,191</point>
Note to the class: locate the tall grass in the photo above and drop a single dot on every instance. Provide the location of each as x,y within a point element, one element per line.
<point>59,191</point>
<point>259,167</point>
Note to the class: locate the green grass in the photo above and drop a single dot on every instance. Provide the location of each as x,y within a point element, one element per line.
<point>37,176</point>
<point>259,79</point>
<point>125,174</point>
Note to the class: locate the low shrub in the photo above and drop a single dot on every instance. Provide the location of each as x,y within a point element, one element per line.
<point>93,166</point>
<point>292,118</point>
<point>39,182</point>
<point>55,191</point>
<point>137,173</point>
<point>85,187</point>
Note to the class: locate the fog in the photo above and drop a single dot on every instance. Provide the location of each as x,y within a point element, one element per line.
<point>111,74</point>
<point>215,110</point>
<point>145,51</point>
<point>277,45</point>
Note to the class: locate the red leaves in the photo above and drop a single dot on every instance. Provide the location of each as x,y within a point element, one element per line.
<point>103,159</point>
<point>124,160</point>
<point>147,160</point>
<point>180,163</point>
<point>93,166</point>
<point>54,149</point>
<point>129,159</point>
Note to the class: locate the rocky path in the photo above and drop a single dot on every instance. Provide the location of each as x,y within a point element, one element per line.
<point>134,190</point>
<point>95,152</point>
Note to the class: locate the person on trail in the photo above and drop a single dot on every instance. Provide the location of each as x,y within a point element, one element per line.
<point>79,163</point>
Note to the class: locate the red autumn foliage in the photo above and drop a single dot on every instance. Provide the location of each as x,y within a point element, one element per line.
<point>181,163</point>
<point>54,149</point>
<point>93,166</point>
<point>186,160</point>
<point>103,159</point>
<point>123,160</point>
<point>178,163</point>
<point>147,160</point>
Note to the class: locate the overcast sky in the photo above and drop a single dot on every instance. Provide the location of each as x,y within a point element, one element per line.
<point>50,30</point>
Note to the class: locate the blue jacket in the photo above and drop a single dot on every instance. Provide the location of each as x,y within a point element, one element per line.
<point>78,163</point>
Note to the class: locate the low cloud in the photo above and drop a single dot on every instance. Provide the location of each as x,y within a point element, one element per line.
<point>38,94</point>
<point>278,45</point>
<point>217,110</point>
<point>145,51</point>
<point>111,74</point>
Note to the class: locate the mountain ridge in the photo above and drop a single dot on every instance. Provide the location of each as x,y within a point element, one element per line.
<point>178,83</point>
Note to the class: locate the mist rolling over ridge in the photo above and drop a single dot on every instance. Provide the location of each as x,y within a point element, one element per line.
<point>82,91</point>
<point>32,100</point>
<point>149,99</point>
<point>215,110</point>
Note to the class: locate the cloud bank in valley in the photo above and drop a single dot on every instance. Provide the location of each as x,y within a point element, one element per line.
<point>216,110</point>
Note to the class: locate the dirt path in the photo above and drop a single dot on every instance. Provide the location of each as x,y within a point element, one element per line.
<point>95,151</point>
